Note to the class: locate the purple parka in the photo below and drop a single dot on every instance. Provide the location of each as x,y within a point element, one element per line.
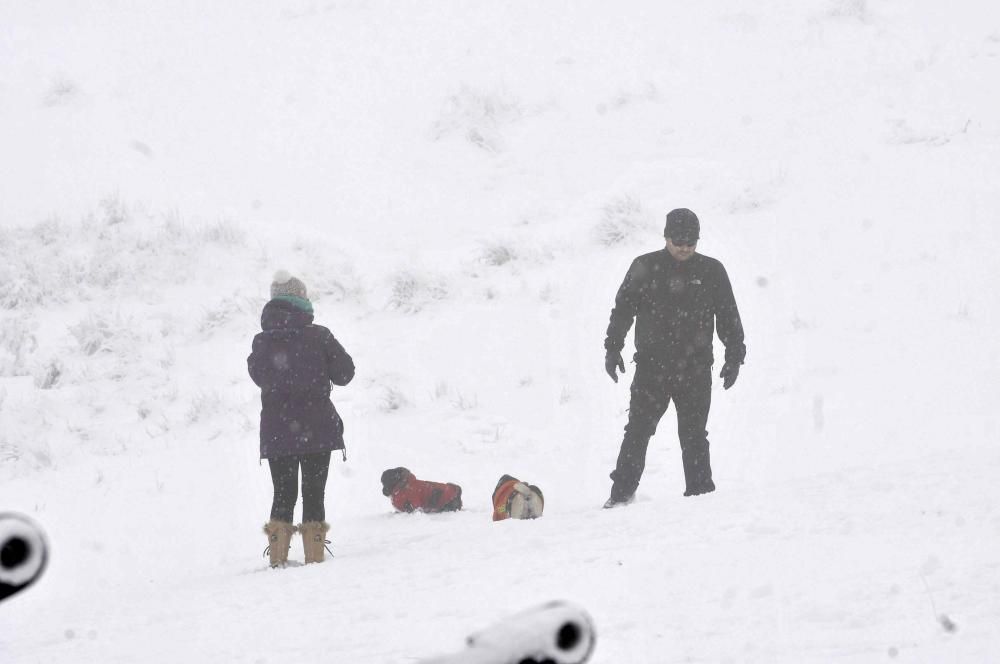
<point>294,363</point>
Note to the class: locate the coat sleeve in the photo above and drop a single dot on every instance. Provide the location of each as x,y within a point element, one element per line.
<point>626,306</point>
<point>340,365</point>
<point>255,365</point>
<point>727,319</point>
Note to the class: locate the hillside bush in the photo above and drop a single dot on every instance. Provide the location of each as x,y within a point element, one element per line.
<point>94,332</point>
<point>203,406</point>
<point>222,312</point>
<point>497,253</point>
<point>331,273</point>
<point>17,343</point>
<point>391,399</point>
<point>478,116</point>
<point>854,9</point>
<point>225,233</point>
<point>622,220</point>
<point>108,251</point>
<point>61,92</point>
<point>412,291</point>
<point>47,375</point>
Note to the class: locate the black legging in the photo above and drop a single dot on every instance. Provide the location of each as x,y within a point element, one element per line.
<point>285,477</point>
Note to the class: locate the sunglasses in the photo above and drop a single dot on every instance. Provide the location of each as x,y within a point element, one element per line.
<point>683,242</point>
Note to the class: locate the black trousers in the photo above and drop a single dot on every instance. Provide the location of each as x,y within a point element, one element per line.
<point>285,477</point>
<point>653,387</point>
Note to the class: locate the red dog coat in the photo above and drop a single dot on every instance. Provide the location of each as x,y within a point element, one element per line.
<point>513,499</point>
<point>408,494</point>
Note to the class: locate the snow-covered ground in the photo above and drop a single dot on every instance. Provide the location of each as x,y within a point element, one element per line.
<point>462,186</point>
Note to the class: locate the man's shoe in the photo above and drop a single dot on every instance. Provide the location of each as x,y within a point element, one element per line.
<point>618,501</point>
<point>698,490</point>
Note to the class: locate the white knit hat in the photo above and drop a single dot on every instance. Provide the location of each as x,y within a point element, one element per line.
<point>285,284</point>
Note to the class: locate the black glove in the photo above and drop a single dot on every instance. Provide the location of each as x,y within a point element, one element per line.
<point>730,372</point>
<point>613,363</point>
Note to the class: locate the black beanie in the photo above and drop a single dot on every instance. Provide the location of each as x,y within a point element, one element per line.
<point>682,223</point>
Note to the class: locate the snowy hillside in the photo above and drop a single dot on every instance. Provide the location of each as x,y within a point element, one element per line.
<point>462,187</point>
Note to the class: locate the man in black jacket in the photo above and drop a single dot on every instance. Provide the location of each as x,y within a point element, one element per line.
<point>678,298</point>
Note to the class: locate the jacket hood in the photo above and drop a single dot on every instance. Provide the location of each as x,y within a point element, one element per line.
<point>283,314</point>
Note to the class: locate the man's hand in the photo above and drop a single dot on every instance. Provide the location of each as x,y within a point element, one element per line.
<point>730,372</point>
<point>613,363</point>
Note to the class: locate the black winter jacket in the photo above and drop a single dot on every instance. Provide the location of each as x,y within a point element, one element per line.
<point>677,305</point>
<point>294,362</point>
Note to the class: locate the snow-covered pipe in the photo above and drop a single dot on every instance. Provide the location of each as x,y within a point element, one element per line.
<point>557,632</point>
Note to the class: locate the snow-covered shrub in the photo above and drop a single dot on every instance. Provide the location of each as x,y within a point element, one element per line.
<point>623,220</point>
<point>48,374</point>
<point>340,282</point>
<point>105,268</point>
<point>328,271</point>
<point>49,231</point>
<point>60,92</point>
<point>167,357</point>
<point>234,307</point>
<point>855,9</point>
<point>10,453</point>
<point>497,253</point>
<point>411,292</point>
<point>478,116</point>
<point>204,406</point>
<point>93,332</point>
<point>492,434</point>
<point>21,284</point>
<point>465,402</point>
<point>391,399</point>
<point>226,233</point>
<point>114,211</point>
<point>117,348</point>
<point>25,443</point>
<point>54,262</point>
<point>17,343</point>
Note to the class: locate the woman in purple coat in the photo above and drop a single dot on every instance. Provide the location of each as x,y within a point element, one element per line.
<point>294,362</point>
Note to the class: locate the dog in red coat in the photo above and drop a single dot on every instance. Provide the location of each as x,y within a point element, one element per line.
<point>514,499</point>
<point>408,494</point>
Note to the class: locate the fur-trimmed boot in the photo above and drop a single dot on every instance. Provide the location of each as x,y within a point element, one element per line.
<point>279,539</point>
<point>314,539</point>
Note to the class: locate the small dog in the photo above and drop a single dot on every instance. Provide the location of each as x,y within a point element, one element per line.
<point>408,494</point>
<point>513,499</point>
